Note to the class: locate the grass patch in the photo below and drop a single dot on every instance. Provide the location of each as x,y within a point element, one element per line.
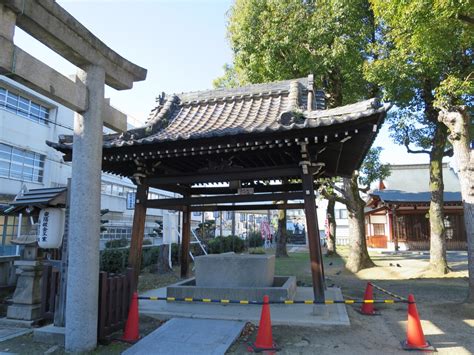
<point>298,264</point>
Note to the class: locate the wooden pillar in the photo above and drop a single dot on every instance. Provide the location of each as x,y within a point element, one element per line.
<point>138,231</point>
<point>312,228</point>
<point>394,223</point>
<point>186,238</point>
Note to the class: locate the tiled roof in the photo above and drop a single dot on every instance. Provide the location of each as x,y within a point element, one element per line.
<point>38,197</point>
<point>259,108</point>
<point>414,197</point>
<point>409,183</point>
<point>416,178</point>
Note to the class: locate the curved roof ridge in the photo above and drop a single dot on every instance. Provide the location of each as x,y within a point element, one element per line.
<point>251,90</point>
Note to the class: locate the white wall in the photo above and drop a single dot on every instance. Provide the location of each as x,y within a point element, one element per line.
<point>23,133</point>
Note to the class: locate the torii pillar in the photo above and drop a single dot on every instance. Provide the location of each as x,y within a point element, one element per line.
<point>84,222</point>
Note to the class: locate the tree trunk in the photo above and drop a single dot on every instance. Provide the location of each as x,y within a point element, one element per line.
<point>438,261</point>
<point>331,220</point>
<point>458,125</point>
<point>163,265</point>
<point>281,241</point>
<point>358,255</point>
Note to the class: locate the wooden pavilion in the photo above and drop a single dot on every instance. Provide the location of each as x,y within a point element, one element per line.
<point>263,143</point>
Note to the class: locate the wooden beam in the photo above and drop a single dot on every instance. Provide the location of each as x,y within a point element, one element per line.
<point>258,207</point>
<point>138,230</point>
<point>185,242</point>
<point>164,203</point>
<point>312,228</point>
<point>257,189</point>
<point>182,190</point>
<point>227,175</point>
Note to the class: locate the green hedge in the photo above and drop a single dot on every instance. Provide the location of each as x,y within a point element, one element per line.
<point>255,240</point>
<point>117,243</point>
<point>116,260</point>
<point>226,244</point>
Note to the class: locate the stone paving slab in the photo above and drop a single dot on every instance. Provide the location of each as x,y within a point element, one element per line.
<point>7,333</point>
<point>293,315</point>
<point>189,336</point>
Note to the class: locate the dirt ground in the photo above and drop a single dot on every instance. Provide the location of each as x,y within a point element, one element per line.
<point>448,324</point>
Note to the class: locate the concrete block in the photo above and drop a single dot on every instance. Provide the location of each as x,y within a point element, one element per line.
<point>24,311</point>
<point>233,270</point>
<point>7,23</point>
<point>18,323</point>
<point>50,334</point>
<point>283,288</point>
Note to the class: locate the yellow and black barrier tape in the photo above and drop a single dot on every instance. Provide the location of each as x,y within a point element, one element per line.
<point>224,301</point>
<point>388,292</point>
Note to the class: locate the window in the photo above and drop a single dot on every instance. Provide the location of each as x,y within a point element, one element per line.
<point>117,232</point>
<point>23,107</point>
<point>154,196</point>
<point>115,189</point>
<point>9,231</point>
<point>379,229</point>
<point>21,164</point>
<point>341,214</point>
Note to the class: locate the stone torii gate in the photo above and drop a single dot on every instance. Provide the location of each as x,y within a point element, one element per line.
<point>98,65</point>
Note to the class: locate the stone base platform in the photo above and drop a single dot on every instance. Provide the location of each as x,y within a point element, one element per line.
<point>281,314</point>
<point>50,334</point>
<point>283,288</point>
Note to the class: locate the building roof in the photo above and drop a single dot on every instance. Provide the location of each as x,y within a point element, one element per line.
<point>258,108</point>
<point>416,178</point>
<point>260,116</point>
<point>38,198</point>
<point>409,183</point>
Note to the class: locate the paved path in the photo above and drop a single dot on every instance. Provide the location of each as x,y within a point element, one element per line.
<point>295,315</point>
<point>7,333</point>
<point>189,336</point>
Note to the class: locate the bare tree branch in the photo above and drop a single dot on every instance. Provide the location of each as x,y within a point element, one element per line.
<point>341,191</point>
<point>327,195</point>
<point>406,143</point>
<point>448,152</point>
<point>466,18</point>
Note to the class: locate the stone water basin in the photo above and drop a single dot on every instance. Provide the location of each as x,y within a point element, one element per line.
<point>235,277</point>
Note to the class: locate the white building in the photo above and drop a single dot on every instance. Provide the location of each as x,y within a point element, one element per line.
<point>342,224</point>
<point>27,120</point>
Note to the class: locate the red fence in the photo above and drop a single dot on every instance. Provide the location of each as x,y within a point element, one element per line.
<point>115,293</point>
<point>49,291</point>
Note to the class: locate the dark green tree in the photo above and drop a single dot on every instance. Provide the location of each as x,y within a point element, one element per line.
<point>284,39</point>
<point>350,195</point>
<point>423,63</point>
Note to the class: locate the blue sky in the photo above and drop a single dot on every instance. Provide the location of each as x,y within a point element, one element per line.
<point>182,43</point>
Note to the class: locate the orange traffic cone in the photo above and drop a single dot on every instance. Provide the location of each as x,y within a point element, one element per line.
<point>131,333</point>
<point>415,337</point>
<point>368,308</point>
<point>264,341</point>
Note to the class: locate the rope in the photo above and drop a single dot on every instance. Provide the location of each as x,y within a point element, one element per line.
<point>388,292</point>
<point>287,302</point>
